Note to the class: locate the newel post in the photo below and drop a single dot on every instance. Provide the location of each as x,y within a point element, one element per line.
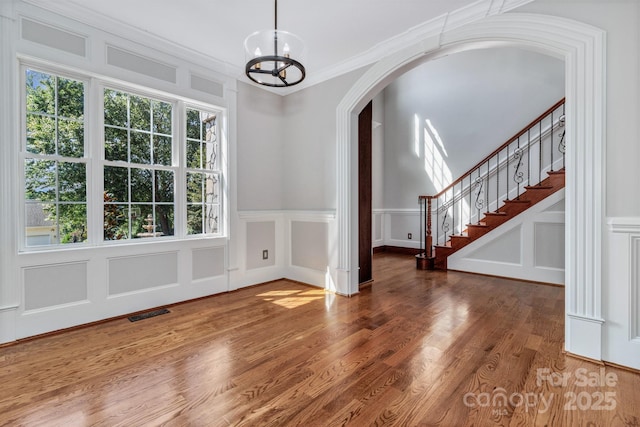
<point>425,260</point>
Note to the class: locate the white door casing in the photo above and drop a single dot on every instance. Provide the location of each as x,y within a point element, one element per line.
<point>583,49</point>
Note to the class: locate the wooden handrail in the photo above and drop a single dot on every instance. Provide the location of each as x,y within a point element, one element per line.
<point>495,152</point>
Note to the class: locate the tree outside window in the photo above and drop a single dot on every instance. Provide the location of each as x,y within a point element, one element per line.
<point>54,160</point>
<point>136,165</point>
<point>139,198</point>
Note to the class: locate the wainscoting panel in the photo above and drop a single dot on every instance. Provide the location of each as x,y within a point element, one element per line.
<point>621,293</point>
<point>548,255</point>
<point>314,256</point>
<point>141,272</point>
<point>392,227</point>
<point>634,272</point>
<point>261,236</point>
<point>207,263</point>
<point>54,285</point>
<point>505,248</point>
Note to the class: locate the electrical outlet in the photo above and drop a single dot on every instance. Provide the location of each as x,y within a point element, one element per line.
<point>265,254</point>
<point>409,236</point>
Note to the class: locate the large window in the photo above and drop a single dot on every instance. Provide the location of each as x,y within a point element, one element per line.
<point>154,162</point>
<point>139,198</point>
<point>55,169</point>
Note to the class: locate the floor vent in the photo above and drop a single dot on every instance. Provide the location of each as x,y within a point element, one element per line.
<point>148,314</point>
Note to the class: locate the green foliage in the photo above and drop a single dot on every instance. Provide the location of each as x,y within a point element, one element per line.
<point>138,133</point>
<point>55,126</point>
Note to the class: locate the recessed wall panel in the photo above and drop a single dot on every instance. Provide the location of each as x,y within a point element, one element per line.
<point>309,247</point>
<point>206,85</point>
<point>549,245</point>
<point>53,37</point>
<point>261,236</point>
<point>51,285</point>
<point>635,288</point>
<point>377,227</point>
<point>139,272</point>
<point>207,262</point>
<point>506,248</point>
<point>139,64</point>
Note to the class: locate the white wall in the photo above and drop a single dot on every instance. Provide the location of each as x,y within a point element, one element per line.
<point>309,151</point>
<point>621,20</point>
<point>260,145</point>
<point>474,100</point>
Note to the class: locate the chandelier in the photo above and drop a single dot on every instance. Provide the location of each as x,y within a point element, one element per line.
<point>270,57</point>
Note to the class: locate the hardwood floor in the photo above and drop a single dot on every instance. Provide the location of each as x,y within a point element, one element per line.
<point>416,348</point>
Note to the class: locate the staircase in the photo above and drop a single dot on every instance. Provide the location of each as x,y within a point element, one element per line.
<point>510,208</point>
<point>523,171</point>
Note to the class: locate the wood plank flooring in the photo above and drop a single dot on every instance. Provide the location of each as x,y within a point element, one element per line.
<point>418,348</point>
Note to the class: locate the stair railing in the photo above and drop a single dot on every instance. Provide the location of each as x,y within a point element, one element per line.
<point>522,161</point>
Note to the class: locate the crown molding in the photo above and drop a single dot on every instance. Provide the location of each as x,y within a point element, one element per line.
<point>434,27</point>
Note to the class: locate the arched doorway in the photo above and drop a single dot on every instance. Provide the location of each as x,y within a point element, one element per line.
<point>583,49</point>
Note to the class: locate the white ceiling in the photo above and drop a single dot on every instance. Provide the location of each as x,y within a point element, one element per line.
<point>340,35</point>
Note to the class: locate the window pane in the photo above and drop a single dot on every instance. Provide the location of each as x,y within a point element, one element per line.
<point>193,155</point>
<point>211,218</point>
<point>210,156</point>
<point>115,108</point>
<point>72,178</point>
<point>70,98</point>
<point>209,121</point>
<point>39,230</point>
<point>116,184</point>
<point>141,185</point>
<point>40,92</point>
<point>72,223</point>
<point>195,219</point>
<point>142,224</point>
<point>70,138</point>
<point>202,219</point>
<point>203,208</point>
<point>40,180</point>
<point>115,147</point>
<point>195,187</point>
<point>164,186</point>
<point>211,189</point>
<point>162,117</point>
<point>162,150</point>
<point>140,148</point>
<point>140,113</point>
<point>116,221</point>
<point>193,124</point>
<point>41,134</point>
<point>164,219</point>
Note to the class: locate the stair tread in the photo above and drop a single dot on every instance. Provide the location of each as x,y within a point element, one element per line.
<point>558,172</point>
<point>495,214</point>
<point>482,225</point>
<point>539,187</point>
<point>516,201</point>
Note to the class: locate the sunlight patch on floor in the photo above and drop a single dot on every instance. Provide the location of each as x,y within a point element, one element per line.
<point>292,298</point>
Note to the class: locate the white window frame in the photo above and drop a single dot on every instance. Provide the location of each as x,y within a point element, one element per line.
<point>95,160</point>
